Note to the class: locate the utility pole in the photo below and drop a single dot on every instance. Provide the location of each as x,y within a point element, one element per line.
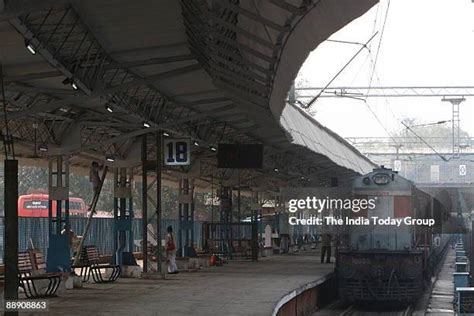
<point>455,102</point>
<point>397,149</point>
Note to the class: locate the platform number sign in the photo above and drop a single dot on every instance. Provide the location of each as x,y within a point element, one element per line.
<point>434,173</point>
<point>177,152</point>
<point>462,170</point>
<point>397,165</point>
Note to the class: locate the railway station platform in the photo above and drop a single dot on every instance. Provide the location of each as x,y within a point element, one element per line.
<point>237,288</point>
<point>442,296</point>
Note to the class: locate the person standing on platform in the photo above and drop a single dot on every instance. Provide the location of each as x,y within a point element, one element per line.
<point>94,177</point>
<point>326,248</point>
<point>71,236</point>
<point>171,251</point>
<point>69,233</point>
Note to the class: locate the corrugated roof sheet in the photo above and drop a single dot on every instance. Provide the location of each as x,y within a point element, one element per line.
<point>305,131</point>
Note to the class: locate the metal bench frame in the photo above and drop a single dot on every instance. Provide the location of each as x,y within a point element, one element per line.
<point>27,279</point>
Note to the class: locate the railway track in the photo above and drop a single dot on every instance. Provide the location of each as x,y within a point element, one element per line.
<point>356,311</point>
<point>342,308</point>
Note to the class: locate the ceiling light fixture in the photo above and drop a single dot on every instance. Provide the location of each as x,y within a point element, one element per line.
<point>69,81</point>
<point>30,47</point>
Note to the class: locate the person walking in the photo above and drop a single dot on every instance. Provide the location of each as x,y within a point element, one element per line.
<point>171,251</point>
<point>326,248</point>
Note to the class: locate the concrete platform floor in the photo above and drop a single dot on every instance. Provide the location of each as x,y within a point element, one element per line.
<point>442,296</point>
<point>237,288</point>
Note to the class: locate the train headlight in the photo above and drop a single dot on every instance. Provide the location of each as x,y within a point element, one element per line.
<point>381,178</point>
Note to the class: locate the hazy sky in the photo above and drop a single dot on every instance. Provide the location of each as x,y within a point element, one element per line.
<point>425,42</point>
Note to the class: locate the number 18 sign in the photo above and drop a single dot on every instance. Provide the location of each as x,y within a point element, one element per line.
<point>177,152</point>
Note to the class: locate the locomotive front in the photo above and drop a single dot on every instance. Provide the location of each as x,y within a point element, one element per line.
<point>386,262</point>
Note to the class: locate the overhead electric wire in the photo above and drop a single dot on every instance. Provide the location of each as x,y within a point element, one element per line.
<point>310,103</point>
<point>383,92</point>
<point>345,42</point>
<point>380,42</point>
<point>378,120</point>
<point>369,57</point>
<point>425,142</point>
<point>376,18</point>
<point>374,72</point>
<point>374,62</point>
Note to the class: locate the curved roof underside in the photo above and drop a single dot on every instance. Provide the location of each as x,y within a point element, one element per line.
<point>307,132</point>
<point>215,71</point>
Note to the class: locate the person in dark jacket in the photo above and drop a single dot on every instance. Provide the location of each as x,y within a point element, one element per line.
<point>326,248</point>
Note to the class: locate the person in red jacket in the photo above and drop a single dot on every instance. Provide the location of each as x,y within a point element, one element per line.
<point>171,251</point>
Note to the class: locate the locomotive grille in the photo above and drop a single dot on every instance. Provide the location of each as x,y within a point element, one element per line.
<point>365,290</point>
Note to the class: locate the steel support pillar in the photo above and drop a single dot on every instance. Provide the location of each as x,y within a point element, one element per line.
<point>455,103</point>
<point>239,211</point>
<point>59,252</point>
<point>258,208</point>
<point>225,198</point>
<point>11,229</point>
<point>456,129</point>
<point>151,223</point>
<point>144,206</point>
<point>254,245</point>
<point>470,239</point>
<point>123,217</point>
<point>257,217</point>
<point>186,218</point>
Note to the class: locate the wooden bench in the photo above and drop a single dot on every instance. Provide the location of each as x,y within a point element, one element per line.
<point>90,265</point>
<point>29,275</point>
<point>38,261</point>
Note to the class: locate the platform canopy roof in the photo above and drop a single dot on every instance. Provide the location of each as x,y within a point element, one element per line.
<point>217,71</point>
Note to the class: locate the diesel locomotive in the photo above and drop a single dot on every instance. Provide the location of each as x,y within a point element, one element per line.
<point>389,263</point>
